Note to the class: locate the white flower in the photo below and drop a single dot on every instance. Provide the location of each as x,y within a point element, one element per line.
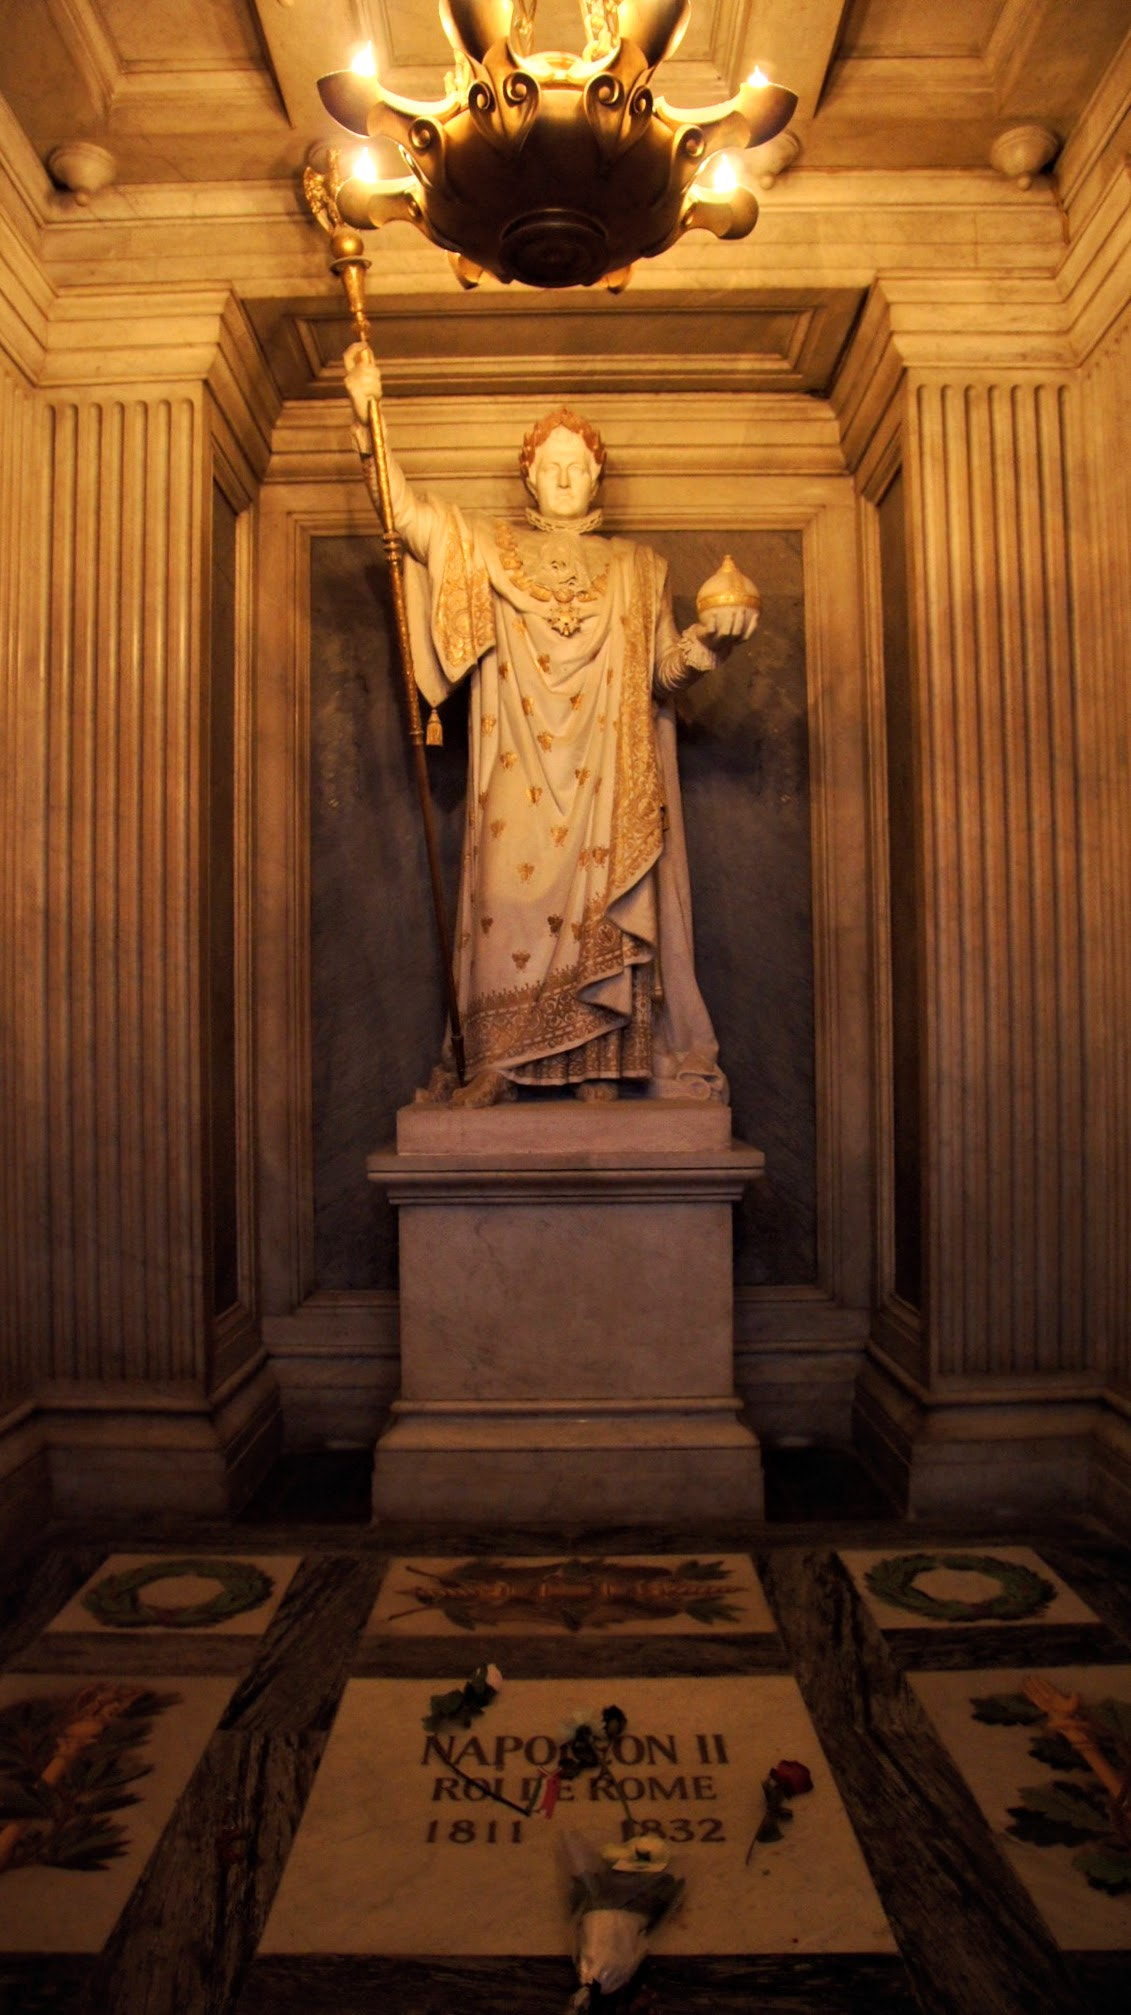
<point>493,1677</point>
<point>645,1850</point>
<point>580,1717</point>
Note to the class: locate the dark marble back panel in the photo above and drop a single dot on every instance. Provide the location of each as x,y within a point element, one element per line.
<point>376,996</point>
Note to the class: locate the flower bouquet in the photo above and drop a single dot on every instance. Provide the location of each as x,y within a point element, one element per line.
<point>616,1898</point>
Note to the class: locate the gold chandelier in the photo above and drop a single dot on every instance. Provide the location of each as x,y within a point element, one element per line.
<point>552,169</point>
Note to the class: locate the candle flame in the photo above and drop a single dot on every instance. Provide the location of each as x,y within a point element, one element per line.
<point>724,181</point>
<point>364,64</point>
<point>757,79</point>
<point>364,167</point>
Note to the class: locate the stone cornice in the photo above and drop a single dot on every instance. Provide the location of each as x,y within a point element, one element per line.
<point>451,443</point>
<point>1096,273</point>
<point>825,229</point>
<point>973,326</point>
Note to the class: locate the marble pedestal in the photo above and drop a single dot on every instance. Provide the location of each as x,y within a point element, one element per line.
<point>566,1316</point>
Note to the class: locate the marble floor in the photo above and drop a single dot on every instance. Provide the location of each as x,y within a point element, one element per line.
<point>217,1796</point>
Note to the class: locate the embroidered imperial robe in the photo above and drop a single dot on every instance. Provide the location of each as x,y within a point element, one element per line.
<point>573,946</point>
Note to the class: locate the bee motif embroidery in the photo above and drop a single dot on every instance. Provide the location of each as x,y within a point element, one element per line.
<point>525,870</point>
<point>497,826</point>
<point>521,959</point>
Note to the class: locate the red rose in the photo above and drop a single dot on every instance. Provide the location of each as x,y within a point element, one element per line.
<point>792,1778</point>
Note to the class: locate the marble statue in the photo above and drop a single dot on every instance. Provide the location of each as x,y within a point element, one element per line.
<point>573,943</point>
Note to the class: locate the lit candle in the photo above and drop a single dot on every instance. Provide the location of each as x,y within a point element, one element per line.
<point>364,64</point>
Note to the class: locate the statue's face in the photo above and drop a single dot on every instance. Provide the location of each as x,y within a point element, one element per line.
<point>563,475</point>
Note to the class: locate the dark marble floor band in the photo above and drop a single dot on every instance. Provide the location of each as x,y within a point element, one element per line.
<point>99,1651</point>
<point>965,1645</point>
<point>546,1656</point>
<point>192,1924</point>
<point>35,1983</point>
<point>840,1984</point>
<point>307,1653</point>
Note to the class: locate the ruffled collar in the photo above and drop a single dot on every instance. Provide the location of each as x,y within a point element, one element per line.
<point>592,522</point>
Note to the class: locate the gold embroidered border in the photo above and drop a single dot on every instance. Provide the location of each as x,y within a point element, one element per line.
<point>637,832</point>
<point>549,1014</point>
<point>465,618</point>
<point>618,1053</point>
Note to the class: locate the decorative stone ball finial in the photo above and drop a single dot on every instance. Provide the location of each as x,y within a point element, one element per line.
<point>82,167</point>
<point>1023,151</point>
<point>774,157</point>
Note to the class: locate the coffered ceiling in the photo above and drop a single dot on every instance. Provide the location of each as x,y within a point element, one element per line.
<point>222,90</point>
<point>221,95</point>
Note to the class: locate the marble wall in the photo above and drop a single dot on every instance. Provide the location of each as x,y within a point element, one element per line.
<point>376,1014</point>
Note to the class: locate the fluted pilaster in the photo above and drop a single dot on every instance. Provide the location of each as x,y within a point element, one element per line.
<point>124,687</point>
<point>121,762</point>
<point>1004,1070</point>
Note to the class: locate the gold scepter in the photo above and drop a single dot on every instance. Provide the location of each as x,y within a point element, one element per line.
<point>349,262</point>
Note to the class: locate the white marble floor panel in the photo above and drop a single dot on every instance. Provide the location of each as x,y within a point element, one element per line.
<point>945,1583</point>
<point>996,1761</point>
<point>395,1855</point>
<point>176,1588</point>
<point>72,1756</point>
<point>665,1595</point>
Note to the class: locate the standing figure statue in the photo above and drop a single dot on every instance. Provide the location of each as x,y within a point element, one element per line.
<point>573,944</point>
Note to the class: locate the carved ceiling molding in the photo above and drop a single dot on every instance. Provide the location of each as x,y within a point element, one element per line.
<point>155,97</point>
<point>92,48</point>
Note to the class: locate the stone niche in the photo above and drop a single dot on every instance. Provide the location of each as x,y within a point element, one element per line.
<point>376,997</point>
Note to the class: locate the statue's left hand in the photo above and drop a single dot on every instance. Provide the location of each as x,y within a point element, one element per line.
<point>723,628</point>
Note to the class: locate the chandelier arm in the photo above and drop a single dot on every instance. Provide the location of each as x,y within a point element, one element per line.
<point>473,26</point>
<point>355,102</point>
<point>753,115</point>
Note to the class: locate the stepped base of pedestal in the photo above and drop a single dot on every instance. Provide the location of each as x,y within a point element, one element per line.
<point>621,1464</point>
